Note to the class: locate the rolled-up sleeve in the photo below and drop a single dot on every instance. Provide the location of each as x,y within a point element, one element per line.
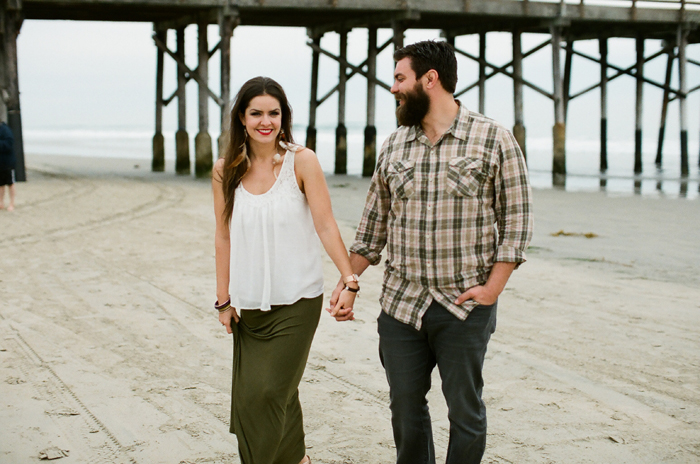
<point>513,203</point>
<point>371,234</point>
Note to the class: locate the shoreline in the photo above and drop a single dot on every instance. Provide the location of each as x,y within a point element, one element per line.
<point>651,183</point>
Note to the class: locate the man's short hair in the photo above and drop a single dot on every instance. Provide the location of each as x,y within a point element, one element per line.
<point>431,54</point>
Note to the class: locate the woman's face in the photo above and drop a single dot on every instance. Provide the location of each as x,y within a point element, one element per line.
<point>263,119</point>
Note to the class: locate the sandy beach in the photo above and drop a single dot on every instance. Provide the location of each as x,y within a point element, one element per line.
<point>110,348</point>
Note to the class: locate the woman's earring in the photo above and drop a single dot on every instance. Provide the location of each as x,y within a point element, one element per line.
<point>244,148</point>
<point>281,140</point>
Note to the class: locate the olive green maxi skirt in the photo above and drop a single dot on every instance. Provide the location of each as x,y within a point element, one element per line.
<point>270,350</point>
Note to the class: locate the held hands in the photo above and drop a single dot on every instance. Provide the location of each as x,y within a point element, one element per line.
<point>341,303</point>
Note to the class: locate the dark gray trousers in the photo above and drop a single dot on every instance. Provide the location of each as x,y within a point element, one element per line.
<point>458,349</point>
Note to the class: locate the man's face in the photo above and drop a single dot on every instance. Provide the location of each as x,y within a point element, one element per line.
<point>414,103</point>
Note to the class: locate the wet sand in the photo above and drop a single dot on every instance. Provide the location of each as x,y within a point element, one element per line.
<point>110,347</point>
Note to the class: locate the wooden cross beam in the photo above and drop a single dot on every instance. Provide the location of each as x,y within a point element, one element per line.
<point>195,75</point>
<point>349,75</point>
<point>679,93</point>
<point>189,76</point>
<point>497,71</point>
<point>628,71</point>
<point>502,70</point>
<point>348,65</point>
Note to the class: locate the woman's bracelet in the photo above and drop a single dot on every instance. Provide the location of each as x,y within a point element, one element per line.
<point>222,308</point>
<point>353,290</point>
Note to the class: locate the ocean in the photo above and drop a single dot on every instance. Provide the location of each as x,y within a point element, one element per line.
<point>582,157</point>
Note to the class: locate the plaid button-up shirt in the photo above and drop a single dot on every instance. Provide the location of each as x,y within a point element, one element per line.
<point>445,212</point>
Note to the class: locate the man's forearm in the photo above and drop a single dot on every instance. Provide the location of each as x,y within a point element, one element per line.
<point>359,263</point>
<point>500,273</point>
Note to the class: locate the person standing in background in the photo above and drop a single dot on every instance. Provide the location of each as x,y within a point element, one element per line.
<point>7,166</point>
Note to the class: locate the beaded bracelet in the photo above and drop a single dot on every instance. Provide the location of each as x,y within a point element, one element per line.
<point>353,290</point>
<point>223,307</point>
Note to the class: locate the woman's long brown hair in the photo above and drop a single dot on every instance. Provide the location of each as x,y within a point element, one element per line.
<point>237,160</point>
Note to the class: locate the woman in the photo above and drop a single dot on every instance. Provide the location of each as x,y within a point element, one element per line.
<point>272,206</point>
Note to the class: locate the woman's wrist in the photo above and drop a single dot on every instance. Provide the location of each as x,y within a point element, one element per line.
<point>223,306</point>
<point>351,287</point>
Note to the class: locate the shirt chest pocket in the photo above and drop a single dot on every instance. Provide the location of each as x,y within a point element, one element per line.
<point>465,177</point>
<point>400,178</point>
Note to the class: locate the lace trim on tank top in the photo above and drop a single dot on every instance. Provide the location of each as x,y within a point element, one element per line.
<point>286,180</point>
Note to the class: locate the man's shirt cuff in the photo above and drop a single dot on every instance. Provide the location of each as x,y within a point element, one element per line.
<point>363,250</point>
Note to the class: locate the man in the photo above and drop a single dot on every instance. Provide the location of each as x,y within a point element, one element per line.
<point>7,166</point>
<point>450,199</point>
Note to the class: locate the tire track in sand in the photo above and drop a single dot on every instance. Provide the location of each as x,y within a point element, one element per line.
<point>167,196</point>
<point>104,447</point>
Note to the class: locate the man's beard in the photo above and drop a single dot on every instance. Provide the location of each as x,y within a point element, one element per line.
<point>415,106</point>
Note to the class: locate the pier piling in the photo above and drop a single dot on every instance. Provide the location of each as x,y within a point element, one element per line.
<point>182,139</point>
<point>370,153</point>
<point>682,38</point>
<point>664,104</point>
<point>158,161</point>
<point>603,46</point>
<point>204,158</point>
<point>227,23</point>
<point>313,97</point>
<point>568,62</point>
<point>559,129</point>
<point>341,132</point>
<point>639,114</point>
<point>12,23</point>
<point>482,72</point>
<point>397,38</point>
<point>519,127</point>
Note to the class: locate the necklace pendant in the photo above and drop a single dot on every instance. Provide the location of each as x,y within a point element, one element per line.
<point>276,159</point>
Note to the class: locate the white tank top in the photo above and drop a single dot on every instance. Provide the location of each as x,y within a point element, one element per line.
<point>275,252</point>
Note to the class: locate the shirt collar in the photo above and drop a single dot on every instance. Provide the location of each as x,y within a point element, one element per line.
<point>460,126</point>
<point>458,129</point>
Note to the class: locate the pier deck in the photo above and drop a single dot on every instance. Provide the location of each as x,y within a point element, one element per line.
<point>584,19</point>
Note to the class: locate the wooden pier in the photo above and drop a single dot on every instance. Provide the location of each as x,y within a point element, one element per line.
<point>676,22</point>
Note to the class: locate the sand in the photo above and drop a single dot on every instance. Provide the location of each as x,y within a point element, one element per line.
<point>110,349</point>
